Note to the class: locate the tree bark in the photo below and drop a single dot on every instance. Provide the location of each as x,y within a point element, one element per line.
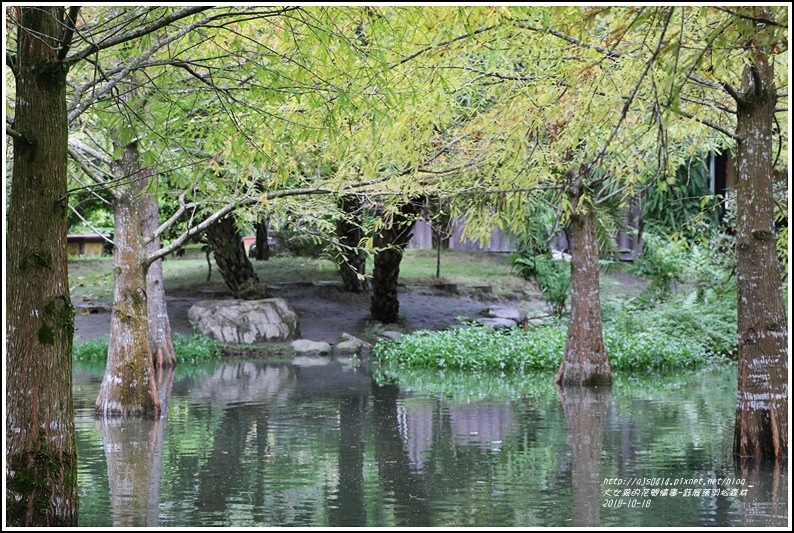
<point>761,428</point>
<point>128,387</point>
<point>233,262</point>
<point>160,335</point>
<point>352,260</point>
<point>391,241</point>
<point>262,243</point>
<point>584,362</point>
<point>41,451</point>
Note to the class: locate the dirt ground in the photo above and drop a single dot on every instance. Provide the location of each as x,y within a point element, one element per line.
<point>325,310</point>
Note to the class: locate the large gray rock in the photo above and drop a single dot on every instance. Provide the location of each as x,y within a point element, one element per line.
<point>245,321</point>
<point>307,347</point>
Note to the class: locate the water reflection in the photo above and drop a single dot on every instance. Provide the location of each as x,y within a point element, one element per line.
<point>585,411</point>
<point>315,442</point>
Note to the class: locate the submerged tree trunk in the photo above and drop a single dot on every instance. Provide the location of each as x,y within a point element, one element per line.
<point>761,429</point>
<point>41,453</point>
<point>391,241</point>
<point>128,387</point>
<point>353,259</point>
<point>233,262</point>
<point>584,362</point>
<point>160,336</point>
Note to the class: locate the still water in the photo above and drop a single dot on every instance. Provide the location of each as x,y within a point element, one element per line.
<point>252,443</point>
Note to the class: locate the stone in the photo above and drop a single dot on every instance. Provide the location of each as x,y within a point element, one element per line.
<point>350,345</point>
<point>307,347</point>
<point>497,323</point>
<point>391,335</point>
<point>245,321</point>
<point>509,313</point>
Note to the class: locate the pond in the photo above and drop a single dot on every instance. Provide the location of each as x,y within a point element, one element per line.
<point>322,443</point>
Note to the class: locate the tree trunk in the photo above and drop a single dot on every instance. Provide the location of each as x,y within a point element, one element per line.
<point>232,261</point>
<point>761,429</point>
<point>128,387</point>
<point>391,241</point>
<point>585,362</point>
<point>41,452</point>
<point>352,260</point>
<point>262,243</point>
<point>160,336</point>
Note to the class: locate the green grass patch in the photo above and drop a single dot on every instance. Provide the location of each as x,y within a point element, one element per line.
<point>193,349</point>
<point>669,337</point>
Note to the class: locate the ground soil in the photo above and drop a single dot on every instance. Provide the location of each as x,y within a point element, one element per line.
<point>326,311</point>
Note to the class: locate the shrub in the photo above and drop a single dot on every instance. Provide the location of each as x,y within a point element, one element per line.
<point>193,348</point>
<point>674,336</point>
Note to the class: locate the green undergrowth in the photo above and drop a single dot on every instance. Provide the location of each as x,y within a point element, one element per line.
<point>680,335</point>
<point>188,349</point>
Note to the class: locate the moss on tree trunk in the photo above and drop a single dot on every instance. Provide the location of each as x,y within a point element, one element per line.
<point>41,451</point>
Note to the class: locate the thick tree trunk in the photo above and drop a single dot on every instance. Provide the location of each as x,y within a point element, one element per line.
<point>41,453</point>
<point>128,387</point>
<point>352,260</point>
<point>262,243</point>
<point>761,429</point>
<point>233,262</point>
<point>160,336</point>
<point>391,241</point>
<point>585,362</point>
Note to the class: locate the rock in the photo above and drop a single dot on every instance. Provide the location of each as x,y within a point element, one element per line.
<point>391,335</point>
<point>307,347</point>
<point>245,321</point>
<point>350,345</point>
<point>509,313</point>
<point>497,323</point>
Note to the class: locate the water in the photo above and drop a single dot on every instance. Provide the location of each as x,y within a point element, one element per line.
<point>253,444</point>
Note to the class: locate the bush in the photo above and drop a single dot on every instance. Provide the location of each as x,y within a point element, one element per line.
<point>684,334</point>
<point>193,349</point>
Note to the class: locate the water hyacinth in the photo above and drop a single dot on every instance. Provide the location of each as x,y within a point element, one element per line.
<point>477,347</point>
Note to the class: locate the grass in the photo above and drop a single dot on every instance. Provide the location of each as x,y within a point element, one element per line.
<point>91,279</point>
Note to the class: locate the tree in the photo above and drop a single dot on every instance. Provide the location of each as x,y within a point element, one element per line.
<point>232,260</point>
<point>721,75</point>
<point>352,259</point>
<point>41,453</point>
<point>762,406</point>
<point>390,241</point>
<point>129,360</point>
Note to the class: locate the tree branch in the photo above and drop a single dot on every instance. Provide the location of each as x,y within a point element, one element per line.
<point>439,45</point>
<point>149,28</point>
<point>68,34</point>
<point>709,124</point>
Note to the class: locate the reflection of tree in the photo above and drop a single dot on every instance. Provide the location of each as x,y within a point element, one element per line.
<point>585,410</point>
<point>224,472</point>
<point>410,496</point>
<point>765,504</point>
<point>134,452</point>
<point>349,509</point>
